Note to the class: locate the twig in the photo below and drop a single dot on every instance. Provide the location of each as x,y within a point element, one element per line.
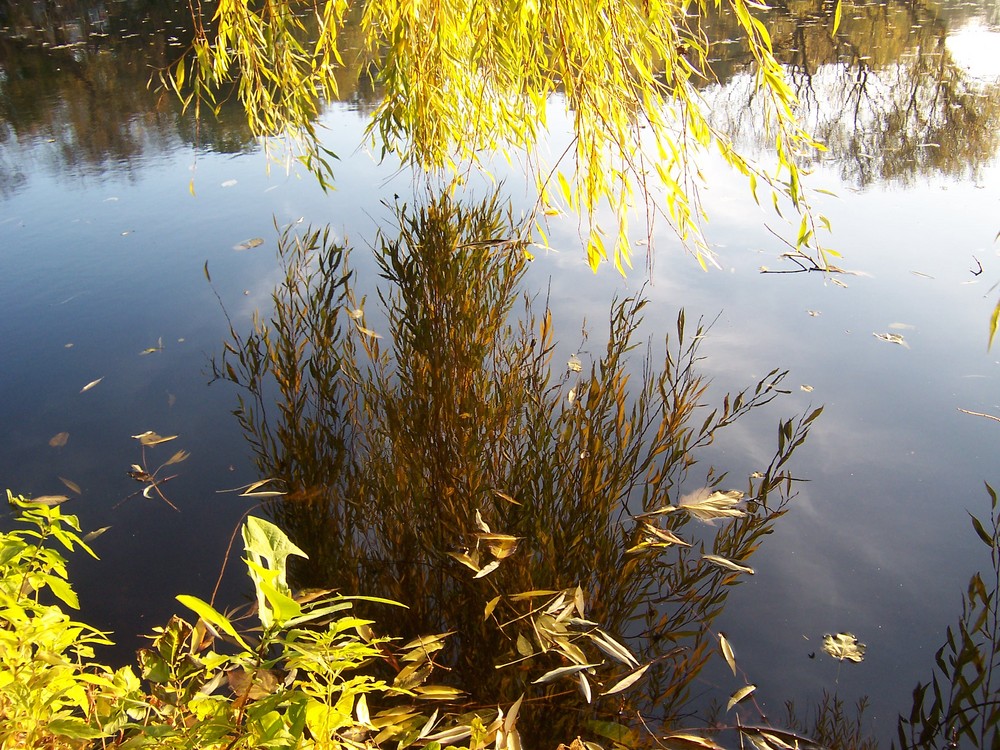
<point>980,414</point>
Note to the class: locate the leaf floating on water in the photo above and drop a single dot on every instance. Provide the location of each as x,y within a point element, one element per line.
<point>706,507</point>
<point>723,562</point>
<point>71,485</point>
<point>844,646</point>
<point>740,695</point>
<point>687,741</point>
<point>177,458</point>
<point>228,183</point>
<point>207,276</point>
<point>467,561</point>
<point>892,338</point>
<point>727,651</point>
<point>249,244</point>
<point>806,388</point>
<point>480,523</point>
<point>49,500</point>
<point>922,275</point>
<point>91,384</point>
<point>150,438</point>
<point>627,681</point>
<point>505,496</point>
<point>92,535</point>
<point>152,349</point>
<point>59,439</point>
<point>555,674</point>
<point>487,569</point>
<point>813,313</point>
<point>574,364</point>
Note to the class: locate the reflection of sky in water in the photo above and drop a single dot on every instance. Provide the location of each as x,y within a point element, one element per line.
<point>879,542</point>
<point>974,49</point>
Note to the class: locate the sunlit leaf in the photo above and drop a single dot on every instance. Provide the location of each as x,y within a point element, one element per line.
<point>559,672</point>
<point>574,364</point>
<point>892,338</point>
<point>722,562</point>
<point>740,695</point>
<point>48,500</point>
<point>689,741</point>
<point>480,523</point>
<point>706,505</point>
<point>727,652</point>
<point>368,332</point>
<point>356,314</point>
<point>584,684</point>
<point>627,681</point>
<point>994,324</point>
<point>59,439</point>
<point>467,561</point>
<point>491,605</point>
<point>91,384</point>
<point>150,438</point>
<point>844,646</point>
<point>249,244</point>
<point>487,569</point>
<point>73,486</point>
<point>177,458</point>
<point>504,496</point>
<point>92,535</point>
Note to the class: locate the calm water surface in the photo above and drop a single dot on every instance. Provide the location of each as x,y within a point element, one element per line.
<point>103,250</point>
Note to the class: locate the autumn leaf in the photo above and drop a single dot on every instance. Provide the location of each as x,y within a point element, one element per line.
<point>844,646</point>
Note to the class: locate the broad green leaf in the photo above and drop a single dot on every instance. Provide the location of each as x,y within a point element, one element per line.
<point>210,615</point>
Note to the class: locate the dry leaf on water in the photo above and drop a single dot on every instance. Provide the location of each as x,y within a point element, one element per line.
<point>59,440</point>
<point>844,646</point>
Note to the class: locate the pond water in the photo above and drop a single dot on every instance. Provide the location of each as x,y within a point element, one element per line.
<point>115,209</point>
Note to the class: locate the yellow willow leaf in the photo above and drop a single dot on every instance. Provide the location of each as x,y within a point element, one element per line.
<point>740,695</point>
<point>490,606</point>
<point>722,562</point>
<point>59,439</point>
<point>73,486</point>
<point>727,652</point>
<point>177,458</point>
<point>627,681</point>
<point>150,438</point>
<point>91,384</point>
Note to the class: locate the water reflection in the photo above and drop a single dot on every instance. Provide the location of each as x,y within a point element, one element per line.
<point>885,94</point>
<point>76,97</point>
<point>458,462</point>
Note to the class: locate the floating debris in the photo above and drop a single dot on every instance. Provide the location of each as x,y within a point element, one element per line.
<point>892,338</point>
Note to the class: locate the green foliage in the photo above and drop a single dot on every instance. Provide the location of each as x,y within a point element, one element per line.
<point>462,80</point>
<point>301,678</point>
<point>52,693</point>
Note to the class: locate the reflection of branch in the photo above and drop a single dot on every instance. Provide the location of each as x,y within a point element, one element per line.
<point>980,414</point>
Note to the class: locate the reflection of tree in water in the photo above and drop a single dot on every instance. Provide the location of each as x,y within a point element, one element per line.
<point>75,94</point>
<point>457,444</point>
<point>884,94</point>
